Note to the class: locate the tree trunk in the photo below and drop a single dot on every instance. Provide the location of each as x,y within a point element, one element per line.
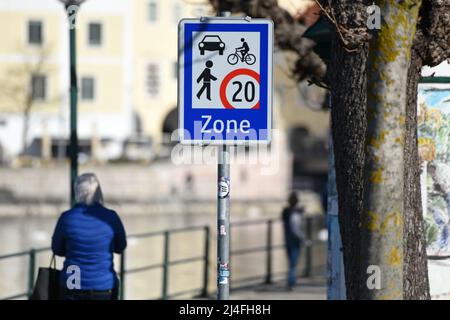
<point>415,269</point>
<point>431,46</point>
<point>383,215</point>
<point>346,74</point>
<point>348,100</point>
<point>347,77</point>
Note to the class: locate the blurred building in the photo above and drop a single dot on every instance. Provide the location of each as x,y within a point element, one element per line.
<point>127,53</point>
<point>127,63</point>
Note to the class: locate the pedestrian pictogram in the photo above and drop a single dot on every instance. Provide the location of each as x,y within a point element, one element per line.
<point>206,77</point>
<point>225,80</point>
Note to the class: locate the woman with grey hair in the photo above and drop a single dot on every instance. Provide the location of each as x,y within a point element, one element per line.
<point>88,235</point>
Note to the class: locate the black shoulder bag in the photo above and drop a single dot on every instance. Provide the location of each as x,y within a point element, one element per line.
<point>47,283</point>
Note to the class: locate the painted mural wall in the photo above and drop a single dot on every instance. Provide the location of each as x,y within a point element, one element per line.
<point>434,151</point>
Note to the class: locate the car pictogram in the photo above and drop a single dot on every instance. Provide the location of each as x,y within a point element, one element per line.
<point>211,43</point>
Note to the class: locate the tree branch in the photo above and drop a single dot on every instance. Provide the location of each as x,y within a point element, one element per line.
<point>288,34</point>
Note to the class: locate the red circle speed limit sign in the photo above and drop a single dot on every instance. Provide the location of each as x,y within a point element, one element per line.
<point>240,89</point>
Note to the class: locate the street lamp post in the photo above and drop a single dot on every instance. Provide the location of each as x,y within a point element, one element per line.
<point>72,7</point>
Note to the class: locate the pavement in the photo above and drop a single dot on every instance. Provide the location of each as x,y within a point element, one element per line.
<point>307,289</point>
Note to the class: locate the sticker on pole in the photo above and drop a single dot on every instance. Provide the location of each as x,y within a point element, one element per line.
<point>225,80</point>
<point>224,188</point>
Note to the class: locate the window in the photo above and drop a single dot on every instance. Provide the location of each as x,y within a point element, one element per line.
<point>35,32</point>
<point>95,34</point>
<point>38,87</point>
<point>152,11</point>
<point>87,88</point>
<point>152,79</point>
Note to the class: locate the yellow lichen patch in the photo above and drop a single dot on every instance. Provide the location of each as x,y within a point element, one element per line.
<point>399,140</point>
<point>377,176</point>
<point>376,142</point>
<point>393,220</point>
<point>394,257</point>
<point>392,289</point>
<point>373,221</point>
<point>376,158</point>
<point>387,79</point>
<point>397,219</point>
<point>390,39</point>
<point>387,44</point>
<point>391,296</point>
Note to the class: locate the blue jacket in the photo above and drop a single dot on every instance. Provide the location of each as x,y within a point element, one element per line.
<point>88,236</point>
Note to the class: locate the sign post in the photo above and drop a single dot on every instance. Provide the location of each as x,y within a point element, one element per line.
<point>223,224</point>
<point>223,218</point>
<point>225,98</point>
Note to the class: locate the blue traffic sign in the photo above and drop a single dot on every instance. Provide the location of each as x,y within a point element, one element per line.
<point>225,81</point>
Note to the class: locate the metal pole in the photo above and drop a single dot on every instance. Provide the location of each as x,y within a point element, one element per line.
<point>206,263</point>
<point>308,249</point>
<point>335,264</point>
<point>122,276</point>
<point>31,271</point>
<point>165,284</point>
<point>269,253</point>
<point>223,225</point>
<point>73,147</point>
<point>223,219</point>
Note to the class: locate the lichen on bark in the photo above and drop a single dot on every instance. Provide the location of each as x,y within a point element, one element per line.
<point>387,74</point>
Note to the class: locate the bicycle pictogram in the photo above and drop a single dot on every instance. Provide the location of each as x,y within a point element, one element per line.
<point>242,54</point>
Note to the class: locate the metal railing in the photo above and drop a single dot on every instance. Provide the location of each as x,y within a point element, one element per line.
<point>31,270</point>
<point>268,248</point>
<point>167,262</point>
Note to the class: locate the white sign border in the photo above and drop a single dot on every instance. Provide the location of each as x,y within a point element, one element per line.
<point>180,89</point>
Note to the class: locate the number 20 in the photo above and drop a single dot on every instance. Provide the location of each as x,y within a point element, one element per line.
<point>249,91</point>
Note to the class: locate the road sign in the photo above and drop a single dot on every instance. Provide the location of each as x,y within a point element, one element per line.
<point>225,80</point>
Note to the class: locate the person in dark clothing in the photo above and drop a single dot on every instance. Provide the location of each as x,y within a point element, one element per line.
<point>244,49</point>
<point>293,236</point>
<point>87,236</point>
<point>206,76</point>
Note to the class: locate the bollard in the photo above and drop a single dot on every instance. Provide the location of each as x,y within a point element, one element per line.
<point>269,252</point>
